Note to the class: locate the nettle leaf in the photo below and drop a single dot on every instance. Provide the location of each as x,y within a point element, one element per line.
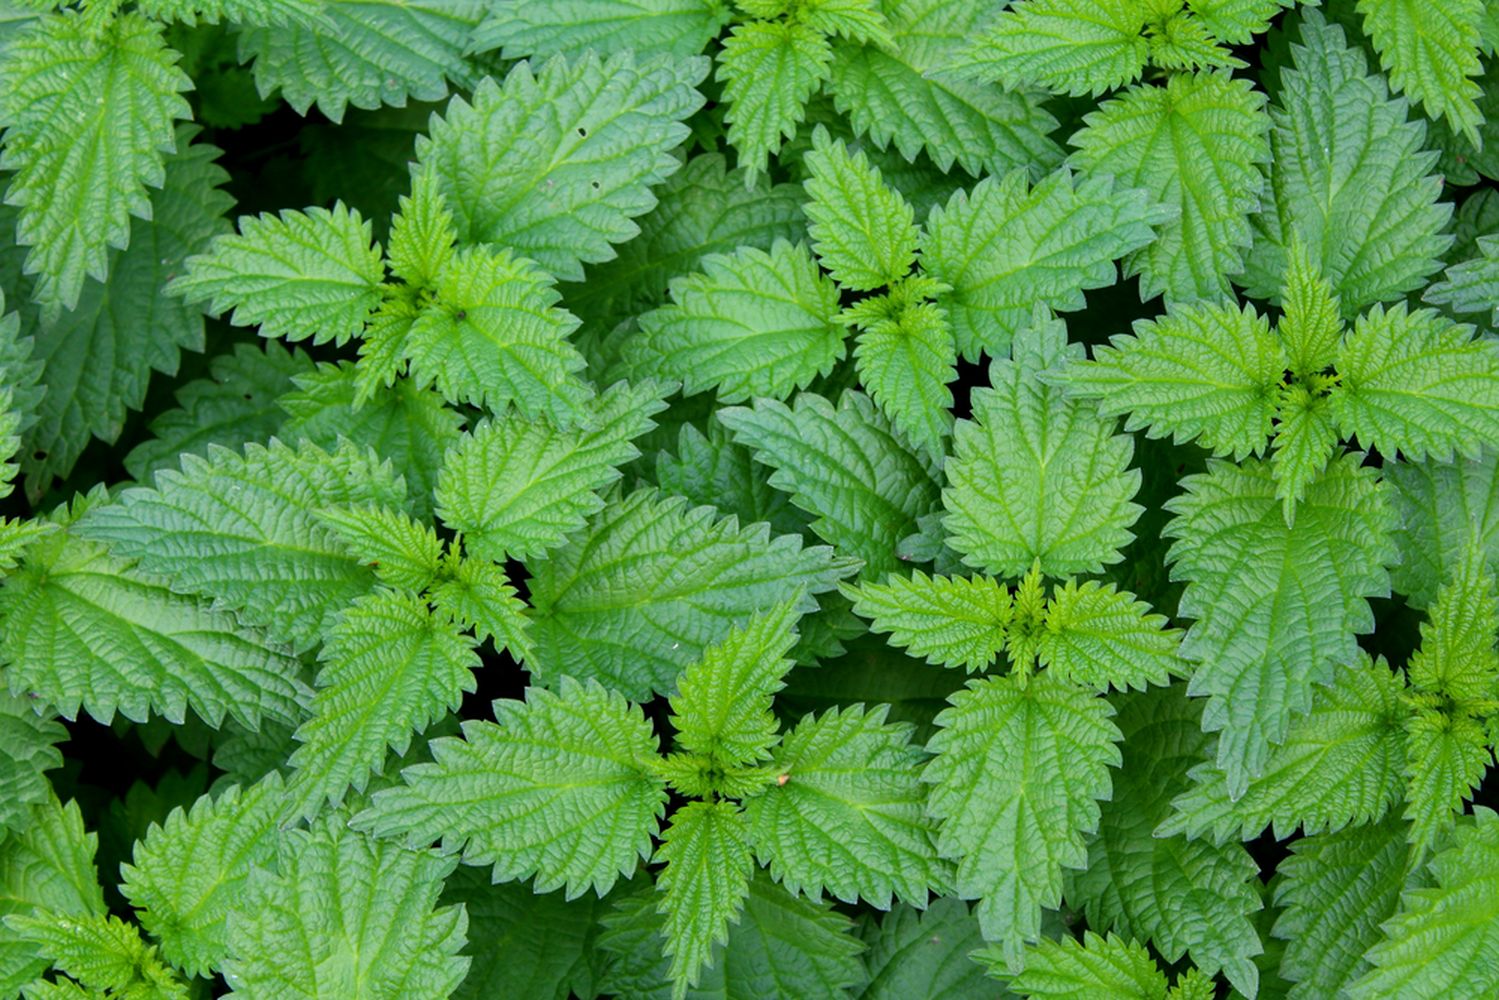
<point>1335,890</point>
<point>1101,637</point>
<point>1457,657</point>
<point>300,275</point>
<point>849,817</point>
<point>708,864</point>
<point>365,53</point>
<point>264,555</point>
<point>710,469</point>
<point>102,952</point>
<point>88,120</point>
<point>1195,145</point>
<point>1027,440</point>
<point>257,13</point>
<point>559,787</point>
<point>1206,372</point>
<point>597,162</point>
<point>1430,53</point>
<point>722,708</point>
<point>769,69</point>
<point>650,583</point>
<point>896,94</point>
<point>953,621</point>
<point>98,358</point>
<point>781,943</point>
<point>845,466</point>
<point>478,595</point>
<point>864,233</point>
<point>1185,896</point>
<point>905,359</point>
<point>237,402</point>
<point>1112,966</point>
<point>1436,944</point>
<point>189,873</point>
<point>516,488</point>
<point>343,914</point>
<point>494,336</point>
<point>749,324</point>
<point>83,628</point>
<point>521,29</point>
<point>403,552</point>
<point>1018,769</point>
<point>28,738</point>
<point>1006,245</point>
<point>1343,763</point>
<point>389,667</point>
<point>1275,605</point>
<point>1349,177</point>
<point>1073,47</point>
<point>924,954</point>
<point>1417,383</point>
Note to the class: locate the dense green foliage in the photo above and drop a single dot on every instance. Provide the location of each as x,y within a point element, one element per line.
<point>749,499</point>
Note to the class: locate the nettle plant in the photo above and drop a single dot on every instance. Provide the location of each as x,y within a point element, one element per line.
<point>882,499</point>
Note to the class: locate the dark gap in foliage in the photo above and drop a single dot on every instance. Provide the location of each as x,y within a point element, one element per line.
<point>971,375</point>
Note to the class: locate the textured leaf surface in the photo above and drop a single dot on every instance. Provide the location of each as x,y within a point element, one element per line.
<point>189,873</point>
<point>650,583</point>
<point>864,233</point>
<point>894,96</point>
<point>1101,637</point>
<point>905,360</point>
<point>389,667</point>
<point>265,555</point>
<point>87,120</point>
<point>1035,475</point>
<point>1006,245</point>
<point>1471,286</point>
<point>1349,177</point>
<point>1430,52</point>
<point>558,787</point>
<point>707,871</point>
<point>366,53</point>
<point>924,954</point>
<point>1417,383</point>
<point>1095,968</point>
<point>953,621</point>
<point>517,487</point>
<point>1205,371</point>
<point>593,134</point>
<point>1072,47</point>
<point>1275,606</point>
<point>343,914</point>
<point>842,464</point>
<point>1439,943</point>
<point>849,817</point>
<point>769,69</point>
<point>313,275</point>
<point>27,739</point>
<point>1015,779</point>
<point>749,324</point>
<point>1443,508</point>
<point>1163,139</point>
<point>82,628</point>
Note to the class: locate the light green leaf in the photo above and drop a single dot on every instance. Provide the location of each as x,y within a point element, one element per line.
<point>88,120</point>
<point>1457,658</point>
<point>1101,637</point>
<point>1018,768</point>
<point>345,915</point>
<point>265,555</point>
<point>189,873</point>
<point>1027,440</point>
<point>389,667</point>
<point>1417,383</point>
<point>1275,606</point>
<point>403,553</point>
<point>769,69</point>
<point>1443,508</point>
<point>1098,968</point>
<point>298,275</point>
<point>102,952</point>
<point>1446,757</point>
<point>522,29</point>
<point>1196,145</point>
<point>905,360</point>
<point>494,336</point>
<point>478,595</point>
<point>864,233</point>
<point>1430,52</point>
<point>845,466</point>
<point>560,787</point>
<point>1076,47</point>
<point>749,324</point>
<point>953,621</point>
<point>595,134</point>
<point>1005,246</point>
<point>28,737</point>
<point>650,583</point>
<point>721,710</point>
<point>703,885</point>
<point>846,816</point>
<point>516,487</point>
<point>365,53</point>
<point>710,469</point>
<point>1205,371</point>
<point>1471,286</point>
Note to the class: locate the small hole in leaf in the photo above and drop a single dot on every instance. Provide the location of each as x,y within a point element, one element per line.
<point>39,455</point>
<point>582,132</point>
<point>461,315</point>
<point>596,185</point>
